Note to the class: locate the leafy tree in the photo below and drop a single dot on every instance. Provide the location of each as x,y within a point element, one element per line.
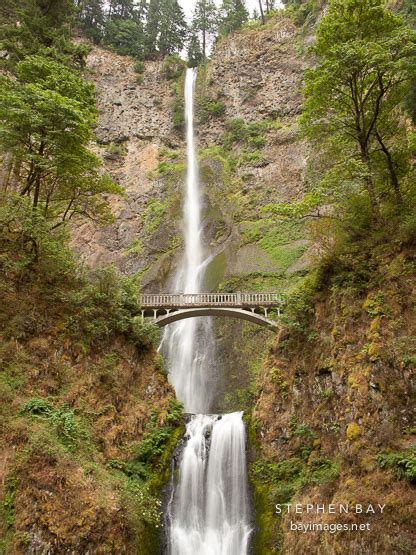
<point>232,15</point>
<point>47,113</point>
<point>205,22</point>
<point>365,59</point>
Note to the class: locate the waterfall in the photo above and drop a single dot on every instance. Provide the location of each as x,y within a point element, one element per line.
<point>190,343</point>
<point>210,509</point>
<point>208,512</point>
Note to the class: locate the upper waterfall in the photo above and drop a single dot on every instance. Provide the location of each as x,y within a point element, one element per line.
<point>190,343</point>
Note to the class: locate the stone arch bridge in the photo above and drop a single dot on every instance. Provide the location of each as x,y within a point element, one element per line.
<point>254,307</point>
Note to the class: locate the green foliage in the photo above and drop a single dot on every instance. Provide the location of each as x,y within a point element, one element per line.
<point>107,305</point>
<point>61,419</point>
<point>139,67</point>
<point>145,30</point>
<point>47,114</point>
<point>404,464</point>
<point>116,149</point>
<point>249,134</point>
<point>286,478</point>
<point>214,108</point>
<point>125,36</point>
<point>27,244</point>
<point>173,30</point>
<point>149,469</point>
<point>178,116</point>
<point>232,15</point>
<point>156,439</point>
<point>10,488</point>
<point>204,22</point>
<point>173,67</point>
<point>96,304</point>
<point>195,55</point>
<point>91,19</point>
<point>133,469</point>
<point>353,108</point>
<point>44,29</point>
<point>302,11</point>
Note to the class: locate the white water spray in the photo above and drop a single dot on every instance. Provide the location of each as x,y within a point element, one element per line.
<point>208,512</point>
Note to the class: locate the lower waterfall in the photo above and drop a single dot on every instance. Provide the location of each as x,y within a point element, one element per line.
<point>208,513</point>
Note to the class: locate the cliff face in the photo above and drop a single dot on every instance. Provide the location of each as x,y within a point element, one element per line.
<point>255,77</point>
<point>88,419</point>
<point>337,426</point>
<point>134,126</point>
<point>248,99</point>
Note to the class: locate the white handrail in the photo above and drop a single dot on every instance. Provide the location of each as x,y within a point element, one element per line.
<point>210,299</point>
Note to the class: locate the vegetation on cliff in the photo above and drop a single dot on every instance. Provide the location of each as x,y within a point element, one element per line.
<point>88,418</point>
<point>338,425</point>
<point>89,421</point>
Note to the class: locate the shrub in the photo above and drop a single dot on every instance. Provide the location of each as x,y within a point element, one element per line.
<point>139,67</point>
<point>214,108</point>
<point>173,67</point>
<point>404,464</point>
<point>116,149</point>
<point>62,420</point>
<point>178,115</point>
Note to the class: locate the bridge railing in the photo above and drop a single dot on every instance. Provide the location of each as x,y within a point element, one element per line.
<point>210,299</point>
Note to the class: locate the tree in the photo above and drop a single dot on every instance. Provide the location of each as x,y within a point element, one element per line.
<point>365,60</point>
<point>173,29</point>
<point>232,15</point>
<point>205,21</point>
<point>195,56</point>
<point>152,27</point>
<point>126,36</point>
<point>263,19</point>
<point>166,29</point>
<point>47,113</point>
<point>123,9</point>
<point>91,17</point>
<point>41,27</point>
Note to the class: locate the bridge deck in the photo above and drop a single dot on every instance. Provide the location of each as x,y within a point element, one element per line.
<point>207,300</point>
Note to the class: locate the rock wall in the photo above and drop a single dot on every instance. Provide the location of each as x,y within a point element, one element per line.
<point>331,427</point>
<point>134,125</point>
<point>255,75</point>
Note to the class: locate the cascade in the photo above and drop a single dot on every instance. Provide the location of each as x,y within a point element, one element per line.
<point>208,512</point>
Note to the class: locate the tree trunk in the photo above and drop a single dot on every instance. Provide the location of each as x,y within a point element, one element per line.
<point>390,165</point>
<point>263,21</point>
<point>369,185</point>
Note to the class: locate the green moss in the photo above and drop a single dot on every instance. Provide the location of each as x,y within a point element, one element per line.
<point>215,271</point>
<point>279,483</point>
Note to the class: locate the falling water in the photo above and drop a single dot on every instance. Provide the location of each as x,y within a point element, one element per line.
<point>208,512</point>
<point>190,343</point>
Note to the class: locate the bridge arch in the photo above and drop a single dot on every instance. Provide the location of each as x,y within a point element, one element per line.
<point>164,319</point>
